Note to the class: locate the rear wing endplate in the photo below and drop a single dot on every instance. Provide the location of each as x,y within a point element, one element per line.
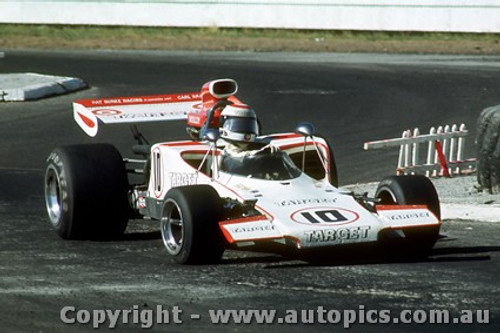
<point>90,113</point>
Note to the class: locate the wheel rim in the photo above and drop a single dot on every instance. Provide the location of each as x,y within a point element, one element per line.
<point>53,200</point>
<point>172,227</point>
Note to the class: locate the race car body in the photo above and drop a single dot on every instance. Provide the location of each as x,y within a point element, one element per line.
<point>207,200</point>
<point>290,206</point>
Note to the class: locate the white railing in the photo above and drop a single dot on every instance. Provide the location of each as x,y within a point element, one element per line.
<point>445,151</point>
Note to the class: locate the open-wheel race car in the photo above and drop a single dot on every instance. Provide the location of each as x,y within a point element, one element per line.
<point>282,192</point>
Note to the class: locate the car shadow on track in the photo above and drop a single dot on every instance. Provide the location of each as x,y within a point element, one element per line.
<point>371,256</point>
<point>477,253</point>
<point>346,256</point>
<point>263,259</point>
<point>140,236</point>
<point>140,230</point>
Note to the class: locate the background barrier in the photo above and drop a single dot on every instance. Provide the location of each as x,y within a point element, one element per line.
<point>444,147</point>
<point>482,16</point>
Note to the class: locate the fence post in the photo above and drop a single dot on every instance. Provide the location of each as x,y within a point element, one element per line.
<point>446,143</point>
<point>416,149</point>
<point>401,158</point>
<point>407,149</point>
<point>453,148</point>
<point>430,151</point>
<point>445,151</point>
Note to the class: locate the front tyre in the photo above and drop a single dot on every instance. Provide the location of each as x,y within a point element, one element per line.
<point>189,224</point>
<point>411,190</point>
<point>86,191</point>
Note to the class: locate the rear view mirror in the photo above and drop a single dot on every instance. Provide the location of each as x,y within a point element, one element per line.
<point>212,135</point>
<point>305,129</point>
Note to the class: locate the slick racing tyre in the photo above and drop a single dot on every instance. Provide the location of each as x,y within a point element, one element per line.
<point>86,191</point>
<point>411,190</point>
<point>488,155</point>
<point>189,224</point>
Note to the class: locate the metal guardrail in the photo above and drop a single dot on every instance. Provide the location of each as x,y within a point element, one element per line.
<point>445,151</point>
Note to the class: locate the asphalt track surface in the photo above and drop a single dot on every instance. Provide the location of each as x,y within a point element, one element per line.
<point>350,98</point>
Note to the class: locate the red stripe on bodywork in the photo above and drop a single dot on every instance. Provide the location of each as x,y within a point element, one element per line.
<point>227,234</point>
<point>182,143</point>
<point>245,219</point>
<point>134,100</point>
<point>86,120</point>
<point>399,207</point>
<point>284,136</point>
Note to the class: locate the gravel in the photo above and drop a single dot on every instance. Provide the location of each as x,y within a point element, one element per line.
<point>461,198</point>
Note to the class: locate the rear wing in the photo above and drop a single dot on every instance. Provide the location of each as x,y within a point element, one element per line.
<point>90,113</point>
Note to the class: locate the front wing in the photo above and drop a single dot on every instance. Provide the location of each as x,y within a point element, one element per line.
<point>257,229</point>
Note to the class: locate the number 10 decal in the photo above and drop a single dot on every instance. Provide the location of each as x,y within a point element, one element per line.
<point>324,215</point>
<point>328,216</point>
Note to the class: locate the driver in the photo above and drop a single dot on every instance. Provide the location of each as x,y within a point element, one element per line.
<point>240,129</point>
<point>247,154</point>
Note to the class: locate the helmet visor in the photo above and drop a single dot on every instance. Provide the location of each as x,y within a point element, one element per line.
<point>241,125</point>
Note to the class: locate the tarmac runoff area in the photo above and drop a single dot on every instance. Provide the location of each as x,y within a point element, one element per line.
<point>459,196</point>
<point>19,87</point>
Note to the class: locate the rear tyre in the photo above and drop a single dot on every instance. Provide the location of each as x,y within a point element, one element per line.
<point>411,190</point>
<point>488,156</point>
<point>189,225</point>
<point>86,192</point>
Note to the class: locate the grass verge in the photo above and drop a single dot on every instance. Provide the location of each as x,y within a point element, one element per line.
<point>15,36</point>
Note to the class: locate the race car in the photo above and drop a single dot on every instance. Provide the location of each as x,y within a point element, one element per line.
<point>288,199</point>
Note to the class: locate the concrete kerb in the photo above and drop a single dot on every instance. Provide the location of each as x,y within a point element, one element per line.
<point>18,87</point>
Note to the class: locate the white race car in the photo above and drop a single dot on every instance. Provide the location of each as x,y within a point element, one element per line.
<point>205,204</point>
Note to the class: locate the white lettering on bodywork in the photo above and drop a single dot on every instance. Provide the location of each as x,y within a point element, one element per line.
<point>336,235</point>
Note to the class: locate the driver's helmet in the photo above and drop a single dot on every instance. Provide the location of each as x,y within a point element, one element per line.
<point>239,123</point>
